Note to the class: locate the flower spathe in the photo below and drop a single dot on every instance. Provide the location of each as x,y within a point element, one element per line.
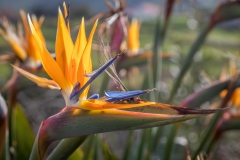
<point>24,46</point>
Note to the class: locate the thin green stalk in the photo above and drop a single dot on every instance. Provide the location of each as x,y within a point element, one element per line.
<point>104,84</point>
<point>34,152</point>
<point>186,64</point>
<point>10,123</point>
<point>142,145</point>
<point>156,59</point>
<point>87,153</point>
<point>209,130</point>
<point>188,61</point>
<point>170,141</point>
<point>157,138</point>
<point>10,97</point>
<point>149,144</point>
<point>224,125</point>
<point>10,118</point>
<point>210,145</point>
<point>96,147</point>
<point>6,153</point>
<point>159,40</point>
<point>128,145</point>
<point>207,133</point>
<point>66,147</point>
<point>150,80</point>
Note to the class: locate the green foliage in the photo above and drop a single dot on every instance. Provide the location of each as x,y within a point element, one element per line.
<point>22,135</point>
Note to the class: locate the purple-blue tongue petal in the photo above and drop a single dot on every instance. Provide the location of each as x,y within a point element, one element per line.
<point>75,94</point>
<point>94,96</point>
<point>117,95</point>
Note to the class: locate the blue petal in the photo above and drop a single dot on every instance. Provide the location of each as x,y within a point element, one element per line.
<point>117,95</point>
<point>74,96</point>
<point>92,73</point>
<point>94,96</point>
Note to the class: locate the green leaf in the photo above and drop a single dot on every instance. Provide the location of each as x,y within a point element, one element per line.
<point>207,134</point>
<point>73,121</point>
<point>225,12</point>
<point>88,147</point>
<point>142,144</point>
<point>230,124</point>
<point>22,136</point>
<point>128,146</point>
<point>66,147</point>
<point>78,154</point>
<point>208,93</point>
<point>205,94</point>
<point>107,153</point>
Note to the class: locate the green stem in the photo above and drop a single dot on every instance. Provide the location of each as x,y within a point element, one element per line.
<point>186,64</point>
<point>208,133</point>
<point>150,79</point>
<point>141,145</point>
<point>104,85</point>
<point>66,147</point>
<point>34,152</point>
<point>96,146</point>
<point>87,153</point>
<point>170,141</point>
<point>157,138</point>
<point>188,60</point>
<point>156,59</point>
<point>149,143</point>
<point>10,124</point>
<point>210,145</point>
<point>128,145</point>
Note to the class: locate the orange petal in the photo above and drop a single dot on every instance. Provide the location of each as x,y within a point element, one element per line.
<point>232,68</point>
<point>38,29</point>
<point>85,65</point>
<point>49,64</point>
<point>223,93</point>
<point>235,97</point>
<point>18,50</point>
<point>40,21</point>
<point>32,46</point>
<point>95,104</point>
<point>65,11</point>
<point>42,82</point>
<point>79,47</point>
<point>133,36</point>
<point>86,59</point>
<point>25,23</point>
<point>14,42</point>
<point>64,45</point>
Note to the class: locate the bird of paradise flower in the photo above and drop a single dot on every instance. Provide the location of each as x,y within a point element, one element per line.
<point>24,47</point>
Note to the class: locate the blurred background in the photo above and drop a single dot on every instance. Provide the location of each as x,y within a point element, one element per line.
<point>188,19</point>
